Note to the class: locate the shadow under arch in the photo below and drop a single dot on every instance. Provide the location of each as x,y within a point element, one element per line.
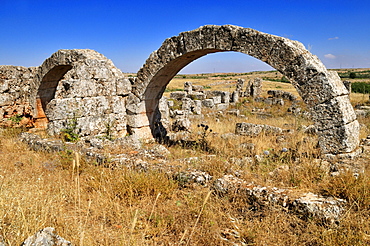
<point>50,73</point>
<point>322,90</point>
<point>46,92</point>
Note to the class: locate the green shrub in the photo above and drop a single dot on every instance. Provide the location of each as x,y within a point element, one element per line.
<point>361,87</point>
<point>283,79</point>
<point>16,118</point>
<point>69,134</point>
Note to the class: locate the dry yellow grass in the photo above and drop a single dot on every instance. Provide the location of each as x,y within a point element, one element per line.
<point>96,205</point>
<point>93,205</point>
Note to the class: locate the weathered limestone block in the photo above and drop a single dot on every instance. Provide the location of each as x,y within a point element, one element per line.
<point>72,88</point>
<point>62,109</point>
<point>163,107</point>
<point>178,95</point>
<point>6,99</point>
<point>4,85</point>
<point>283,52</point>
<point>138,120</point>
<point>188,87</point>
<point>141,132</point>
<point>302,66</point>
<point>274,101</point>
<point>329,209</point>
<point>208,103</point>
<point>361,113</point>
<point>335,112</point>
<point>69,108</point>
<point>182,124</point>
<point>197,96</point>
<point>37,143</point>
<point>16,85</point>
<point>94,106</point>
<point>187,104</point>
<point>240,86</point>
<point>249,129</point>
<point>235,97</point>
<point>197,107</point>
<point>234,112</point>
<point>46,237</point>
<point>117,124</point>
<point>282,94</point>
<point>253,88</point>
<point>216,99</point>
<point>225,97</point>
<point>320,88</point>
<point>192,39</point>
<point>123,87</point>
<point>222,106</point>
<point>118,104</point>
<point>307,205</point>
<point>340,139</point>
<point>107,88</point>
<point>91,125</point>
<point>54,127</point>
<point>134,105</point>
<point>198,88</point>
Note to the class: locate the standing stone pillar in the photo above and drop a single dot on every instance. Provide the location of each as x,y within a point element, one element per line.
<point>188,87</point>
<point>253,88</point>
<point>239,87</point>
<point>235,97</point>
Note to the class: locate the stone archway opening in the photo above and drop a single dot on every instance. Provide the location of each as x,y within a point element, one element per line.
<point>321,90</point>
<point>46,93</point>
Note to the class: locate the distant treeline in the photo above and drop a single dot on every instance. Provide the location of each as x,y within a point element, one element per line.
<point>355,75</point>
<point>283,79</point>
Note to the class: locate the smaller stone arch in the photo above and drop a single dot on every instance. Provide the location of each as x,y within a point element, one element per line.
<point>84,87</point>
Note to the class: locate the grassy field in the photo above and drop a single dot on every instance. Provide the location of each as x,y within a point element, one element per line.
<point>92,204</point>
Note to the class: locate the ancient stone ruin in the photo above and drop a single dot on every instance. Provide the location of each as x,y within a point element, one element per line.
<point>84,90</point>
<point>80,87</point>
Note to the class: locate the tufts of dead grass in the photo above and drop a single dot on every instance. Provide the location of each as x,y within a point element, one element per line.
<point>95,205</point>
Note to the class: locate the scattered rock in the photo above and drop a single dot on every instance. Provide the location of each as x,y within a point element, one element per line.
<point>282,94</point>
<point>181,125</point>
<point>308,205</point>
<point>193,176</point>
<point>36,143</point>
<point>253,130</point>
<point>46,237</point>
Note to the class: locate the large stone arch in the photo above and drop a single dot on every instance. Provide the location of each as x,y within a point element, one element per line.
<point>81,86</point>
<point>322,90</point>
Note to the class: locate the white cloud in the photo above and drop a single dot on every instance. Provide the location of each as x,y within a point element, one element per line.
<point>330,56</point>
<point>333,38</point>
<point>309,47</point>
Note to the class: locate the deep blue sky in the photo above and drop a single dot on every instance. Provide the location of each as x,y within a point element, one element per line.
<point>126,32</point>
